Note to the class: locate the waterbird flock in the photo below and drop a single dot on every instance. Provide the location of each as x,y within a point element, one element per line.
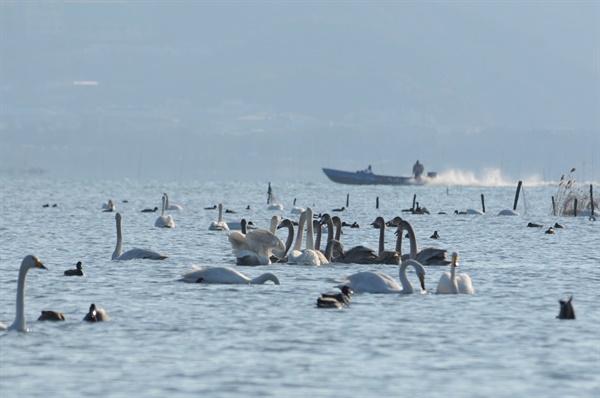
<point>263,247</point>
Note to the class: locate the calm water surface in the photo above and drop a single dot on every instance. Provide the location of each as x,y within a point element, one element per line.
<point>168,338</point>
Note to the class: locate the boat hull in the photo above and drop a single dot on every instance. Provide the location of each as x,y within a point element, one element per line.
<point>366,178</point>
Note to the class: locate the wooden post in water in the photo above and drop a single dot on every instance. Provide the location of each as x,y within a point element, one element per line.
<point>482,203</point>
<point>517,195</point>
<point>377,203</point>
<point>414,201</point>
<point>575,208</point>
<point>553,207</point>
<point>347,200</point>
<point>592,198</point>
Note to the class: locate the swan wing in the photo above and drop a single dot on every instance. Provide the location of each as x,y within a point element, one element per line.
<point>432,256</point>
<point>218,226</point>
<point>141,254</point>
<point>248,257</point>
<point>225,275</point>
<point>308,257</point>
<point>164,222</point>
<point>464,284</point>
<point>360,255</point>
<point>261,239</point>
<point>372,282</point>
<point>238,241</point>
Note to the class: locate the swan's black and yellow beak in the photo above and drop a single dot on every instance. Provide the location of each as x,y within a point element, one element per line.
<point>38,264</point>
<point>422,280</point>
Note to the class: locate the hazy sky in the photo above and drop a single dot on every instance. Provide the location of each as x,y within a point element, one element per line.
<point>277,90</point>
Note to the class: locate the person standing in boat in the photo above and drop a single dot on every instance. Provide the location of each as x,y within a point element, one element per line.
<point>418,169</point>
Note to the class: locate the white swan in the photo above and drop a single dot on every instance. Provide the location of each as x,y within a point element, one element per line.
<point>225,275</point>
<point>451,283</point>
<point>19,324</point>
<point>308,256</point>
<point>377,282</point>
<point>219,225</point>
<point>96,314</point>
<point>172,206</point>
<point>275,206</point>
<point>295,209</point>
<point>254,247</point>
<point>164,221</point>
<point>133,253</point>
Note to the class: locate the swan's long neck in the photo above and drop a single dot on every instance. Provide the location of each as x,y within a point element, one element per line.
<point>166,200</point>
<point>164,205</point>
<point>407,286</point>
<point>338,227</point>
<point>329,249</point>
<point>274,221</point>
<point>298,244</point>
<point>453,276</point>
<point>405,225</point>
<point>20,314</point>
<point>220,212</point>
<point>259,280</point>
<point>329,223</point>
<point>119,247</point>
<point>290,238</point>
<point>381,235</point>
<point>317,225</point>
<point>310,233</point>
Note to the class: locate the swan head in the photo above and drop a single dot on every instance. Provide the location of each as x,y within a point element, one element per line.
<point>379,223</point>
<point>118,217</point>
<point>455,259</point>
<point>32,261</point>
<point>422,280</point>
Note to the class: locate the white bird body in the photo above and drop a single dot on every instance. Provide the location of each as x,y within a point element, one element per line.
<point>19,324</point>
<point>377,282</point>
<point>133,253</point>
<point>308,256</point>
<point>225,275</point>
<point>164,221</point>
<point>219,225</point>
<point>475,211</point>
<point>296,209</point>
<point>453,283</point>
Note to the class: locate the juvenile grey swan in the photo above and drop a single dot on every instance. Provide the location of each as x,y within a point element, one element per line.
<point>427,256</point>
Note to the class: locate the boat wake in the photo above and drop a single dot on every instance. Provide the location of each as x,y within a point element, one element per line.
<point>486,178</point>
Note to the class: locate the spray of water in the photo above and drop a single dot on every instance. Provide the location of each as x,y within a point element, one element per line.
<point>491,177</point>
